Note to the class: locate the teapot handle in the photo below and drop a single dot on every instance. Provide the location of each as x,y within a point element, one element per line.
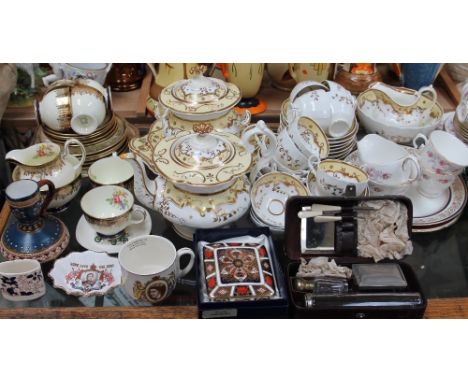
<point>66,152</point>
<point>49,196</point>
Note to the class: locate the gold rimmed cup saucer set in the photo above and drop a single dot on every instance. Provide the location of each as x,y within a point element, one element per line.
<point>62,117</point>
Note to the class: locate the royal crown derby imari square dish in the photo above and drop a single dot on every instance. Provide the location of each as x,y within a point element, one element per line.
<point>238,270</point>
<point>86,273</point>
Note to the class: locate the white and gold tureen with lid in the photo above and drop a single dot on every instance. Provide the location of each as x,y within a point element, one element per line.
<point>200,98</point>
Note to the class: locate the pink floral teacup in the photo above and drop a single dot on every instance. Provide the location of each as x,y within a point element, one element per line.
<point>442,153</point>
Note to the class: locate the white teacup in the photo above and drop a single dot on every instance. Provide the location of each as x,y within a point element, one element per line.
<point>309,138</point>
<point>21,280</point>
<point>387,162</point>
<point>288,154</point>
<point>79,105</point>
<point>111,171</point>
<point>442,152</point>
<point>333,176</point>
<point>329,104</point>
<point>151,267</point>
<point>433,185</point>
<point>109,210</point>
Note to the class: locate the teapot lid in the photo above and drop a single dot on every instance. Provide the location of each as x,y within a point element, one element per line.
<point>201,158</point>
<point>200,95</point>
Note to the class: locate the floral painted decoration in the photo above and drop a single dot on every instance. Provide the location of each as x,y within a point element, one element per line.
<point>43,150</point>
<point>24,285</point>
<point>119,199</point>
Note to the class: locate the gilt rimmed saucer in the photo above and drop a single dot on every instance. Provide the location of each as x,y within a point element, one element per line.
<point>89,239</point>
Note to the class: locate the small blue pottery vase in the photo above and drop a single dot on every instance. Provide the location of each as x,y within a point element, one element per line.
<point>415,76</point>
<point>33,235</point>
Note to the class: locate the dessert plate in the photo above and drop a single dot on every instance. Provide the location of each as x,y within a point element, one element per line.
<point>89,239</point>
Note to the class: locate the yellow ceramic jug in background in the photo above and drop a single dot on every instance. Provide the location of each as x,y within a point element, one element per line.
<point>280,77</point>
<point>310,72</point>
<point>248,78</point>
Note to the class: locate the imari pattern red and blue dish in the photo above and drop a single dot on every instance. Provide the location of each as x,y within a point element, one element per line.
<point>235,271</point>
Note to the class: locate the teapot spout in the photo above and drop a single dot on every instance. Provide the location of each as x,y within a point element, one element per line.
<point>144,188</point>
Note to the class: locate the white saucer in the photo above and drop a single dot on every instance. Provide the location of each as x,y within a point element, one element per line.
<point>89,239</point>
<point>423,206</point>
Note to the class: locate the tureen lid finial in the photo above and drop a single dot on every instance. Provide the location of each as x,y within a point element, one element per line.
<point>199,69</point>
<point>203,128</point>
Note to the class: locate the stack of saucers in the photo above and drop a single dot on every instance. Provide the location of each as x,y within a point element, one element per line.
<point>340,147</point>
<point>460,129</point>
<point>269,195</point>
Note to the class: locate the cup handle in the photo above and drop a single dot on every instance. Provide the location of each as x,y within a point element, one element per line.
<point>415,166</point>
<point>244,118</point>
<point>260,128</point>
<point>49,196</point>
<point>51,78</point>
<point>304,87</point>
<point>314,161</point>
<point>66,152</point>
<point>415,140</point>
<point>133,221</point>
<point>181,252</point>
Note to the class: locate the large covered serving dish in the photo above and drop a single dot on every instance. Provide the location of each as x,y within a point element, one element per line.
<point>200,98</point>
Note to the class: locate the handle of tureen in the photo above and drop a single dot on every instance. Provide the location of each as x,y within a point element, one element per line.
<point>183,252</point>
<point>268,148</point>
<point>49,196</point>
<point>415,171</point>
<point>66,152</point>
<point>305,87</point>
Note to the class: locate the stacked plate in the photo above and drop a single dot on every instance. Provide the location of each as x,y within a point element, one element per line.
<point>340,147</point>
<point>112,136</point>
<point>460,129</point>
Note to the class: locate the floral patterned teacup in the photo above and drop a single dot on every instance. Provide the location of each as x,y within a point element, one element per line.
<point>151,267</point>
<point>442,153</point>
<point>387,162</point>
<point>21,280</point>
<point>433,185</point>
<point>109,210</point>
